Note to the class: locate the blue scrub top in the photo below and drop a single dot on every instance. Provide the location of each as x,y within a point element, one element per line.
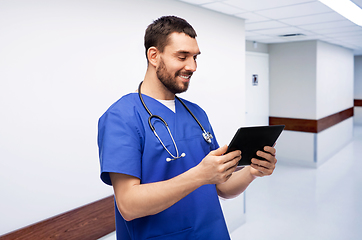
<point>127,145</point>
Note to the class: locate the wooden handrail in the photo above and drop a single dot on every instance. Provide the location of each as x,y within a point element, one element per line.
<point>312,126</point>
<point>91,221</point>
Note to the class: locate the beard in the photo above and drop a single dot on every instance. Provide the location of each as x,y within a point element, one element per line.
<point>169,81</point>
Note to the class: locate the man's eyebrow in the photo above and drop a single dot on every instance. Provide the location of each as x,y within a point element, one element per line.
<point>187,52</point>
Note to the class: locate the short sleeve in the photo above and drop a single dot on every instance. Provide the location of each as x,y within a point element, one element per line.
<point>119,142</point>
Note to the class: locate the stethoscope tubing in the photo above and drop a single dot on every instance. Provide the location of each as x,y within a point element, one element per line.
<point>207,136</point>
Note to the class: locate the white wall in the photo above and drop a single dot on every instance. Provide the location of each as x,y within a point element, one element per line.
<point>297,148</point>
<point>332,140</point>
<point>334,79</point>
<point>293,79</point>
<point>334,94</point>
<point>311,80</point>
<point>358,88</point>
<point>62,63</point>
<point>311,149</point>
<point>257,47</point>
<point>358,115</point>
<point>358,77</point>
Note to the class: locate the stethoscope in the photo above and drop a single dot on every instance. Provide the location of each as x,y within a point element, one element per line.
<point>207,136</point>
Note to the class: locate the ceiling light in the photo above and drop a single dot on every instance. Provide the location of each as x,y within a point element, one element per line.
<point>346,8</point>
<point>293,35</point>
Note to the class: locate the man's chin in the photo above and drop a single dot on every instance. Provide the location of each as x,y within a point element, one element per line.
<point>183,88</point>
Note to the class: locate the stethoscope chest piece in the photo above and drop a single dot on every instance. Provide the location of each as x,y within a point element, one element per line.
<point>207,136</point>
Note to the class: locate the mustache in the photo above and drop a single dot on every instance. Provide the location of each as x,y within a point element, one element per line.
<point>179,72</point>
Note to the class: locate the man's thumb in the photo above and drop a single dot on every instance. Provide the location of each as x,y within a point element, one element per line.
<point>220,151</point>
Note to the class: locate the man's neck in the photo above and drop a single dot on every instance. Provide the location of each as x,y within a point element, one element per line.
<point>154,88</point>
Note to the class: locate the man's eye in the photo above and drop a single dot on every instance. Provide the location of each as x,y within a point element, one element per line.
<point>182,58</point>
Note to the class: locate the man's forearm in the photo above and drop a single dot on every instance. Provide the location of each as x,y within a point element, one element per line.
<point>135,200</point>
<point>152,198</point>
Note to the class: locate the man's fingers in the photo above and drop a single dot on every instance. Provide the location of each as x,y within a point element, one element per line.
<point>271,150</point>
<point>263,163</point>
<point>233,155</point>
<point>267,156</point>
<point>264,166</point>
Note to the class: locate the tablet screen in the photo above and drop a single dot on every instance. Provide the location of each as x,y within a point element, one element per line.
<point>251,139</point>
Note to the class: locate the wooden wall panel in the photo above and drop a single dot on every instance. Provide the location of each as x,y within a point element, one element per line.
<point>295,124</point>
<point>88,222</point>
<point>312,126</point>
<point>358,102</point>
<point>332,120</point>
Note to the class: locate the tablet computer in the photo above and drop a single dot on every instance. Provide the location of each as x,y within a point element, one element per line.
<point>251,139</point>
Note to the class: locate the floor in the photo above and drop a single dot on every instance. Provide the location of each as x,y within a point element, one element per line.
<point>304,203</point>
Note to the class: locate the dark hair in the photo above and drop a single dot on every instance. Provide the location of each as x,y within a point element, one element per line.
<point>157,33</point>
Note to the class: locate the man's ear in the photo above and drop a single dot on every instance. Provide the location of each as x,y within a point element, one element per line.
<point>152,56</point>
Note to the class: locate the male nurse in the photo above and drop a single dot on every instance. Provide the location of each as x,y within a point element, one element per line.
<point>167,183</point>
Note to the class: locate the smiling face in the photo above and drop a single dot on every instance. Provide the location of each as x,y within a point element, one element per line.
<point>177,62</point>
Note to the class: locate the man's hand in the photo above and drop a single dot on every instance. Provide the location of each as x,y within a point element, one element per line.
<point>260,168</point>
<point>217,168</point>
<point>241,179</point>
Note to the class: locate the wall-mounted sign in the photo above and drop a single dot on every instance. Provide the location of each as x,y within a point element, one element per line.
<point>255,79</point>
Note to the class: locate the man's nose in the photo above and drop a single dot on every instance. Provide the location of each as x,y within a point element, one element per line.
<point>191,65</point>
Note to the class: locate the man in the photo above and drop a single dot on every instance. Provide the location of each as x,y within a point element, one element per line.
<point>162,193</point>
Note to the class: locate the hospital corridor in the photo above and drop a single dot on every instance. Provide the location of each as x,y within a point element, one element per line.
<point>108,101</point>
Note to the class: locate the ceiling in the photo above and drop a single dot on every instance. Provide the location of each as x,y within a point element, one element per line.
<point>266,21</point>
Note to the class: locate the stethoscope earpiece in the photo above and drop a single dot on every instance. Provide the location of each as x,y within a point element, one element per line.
<point>207,136</point>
